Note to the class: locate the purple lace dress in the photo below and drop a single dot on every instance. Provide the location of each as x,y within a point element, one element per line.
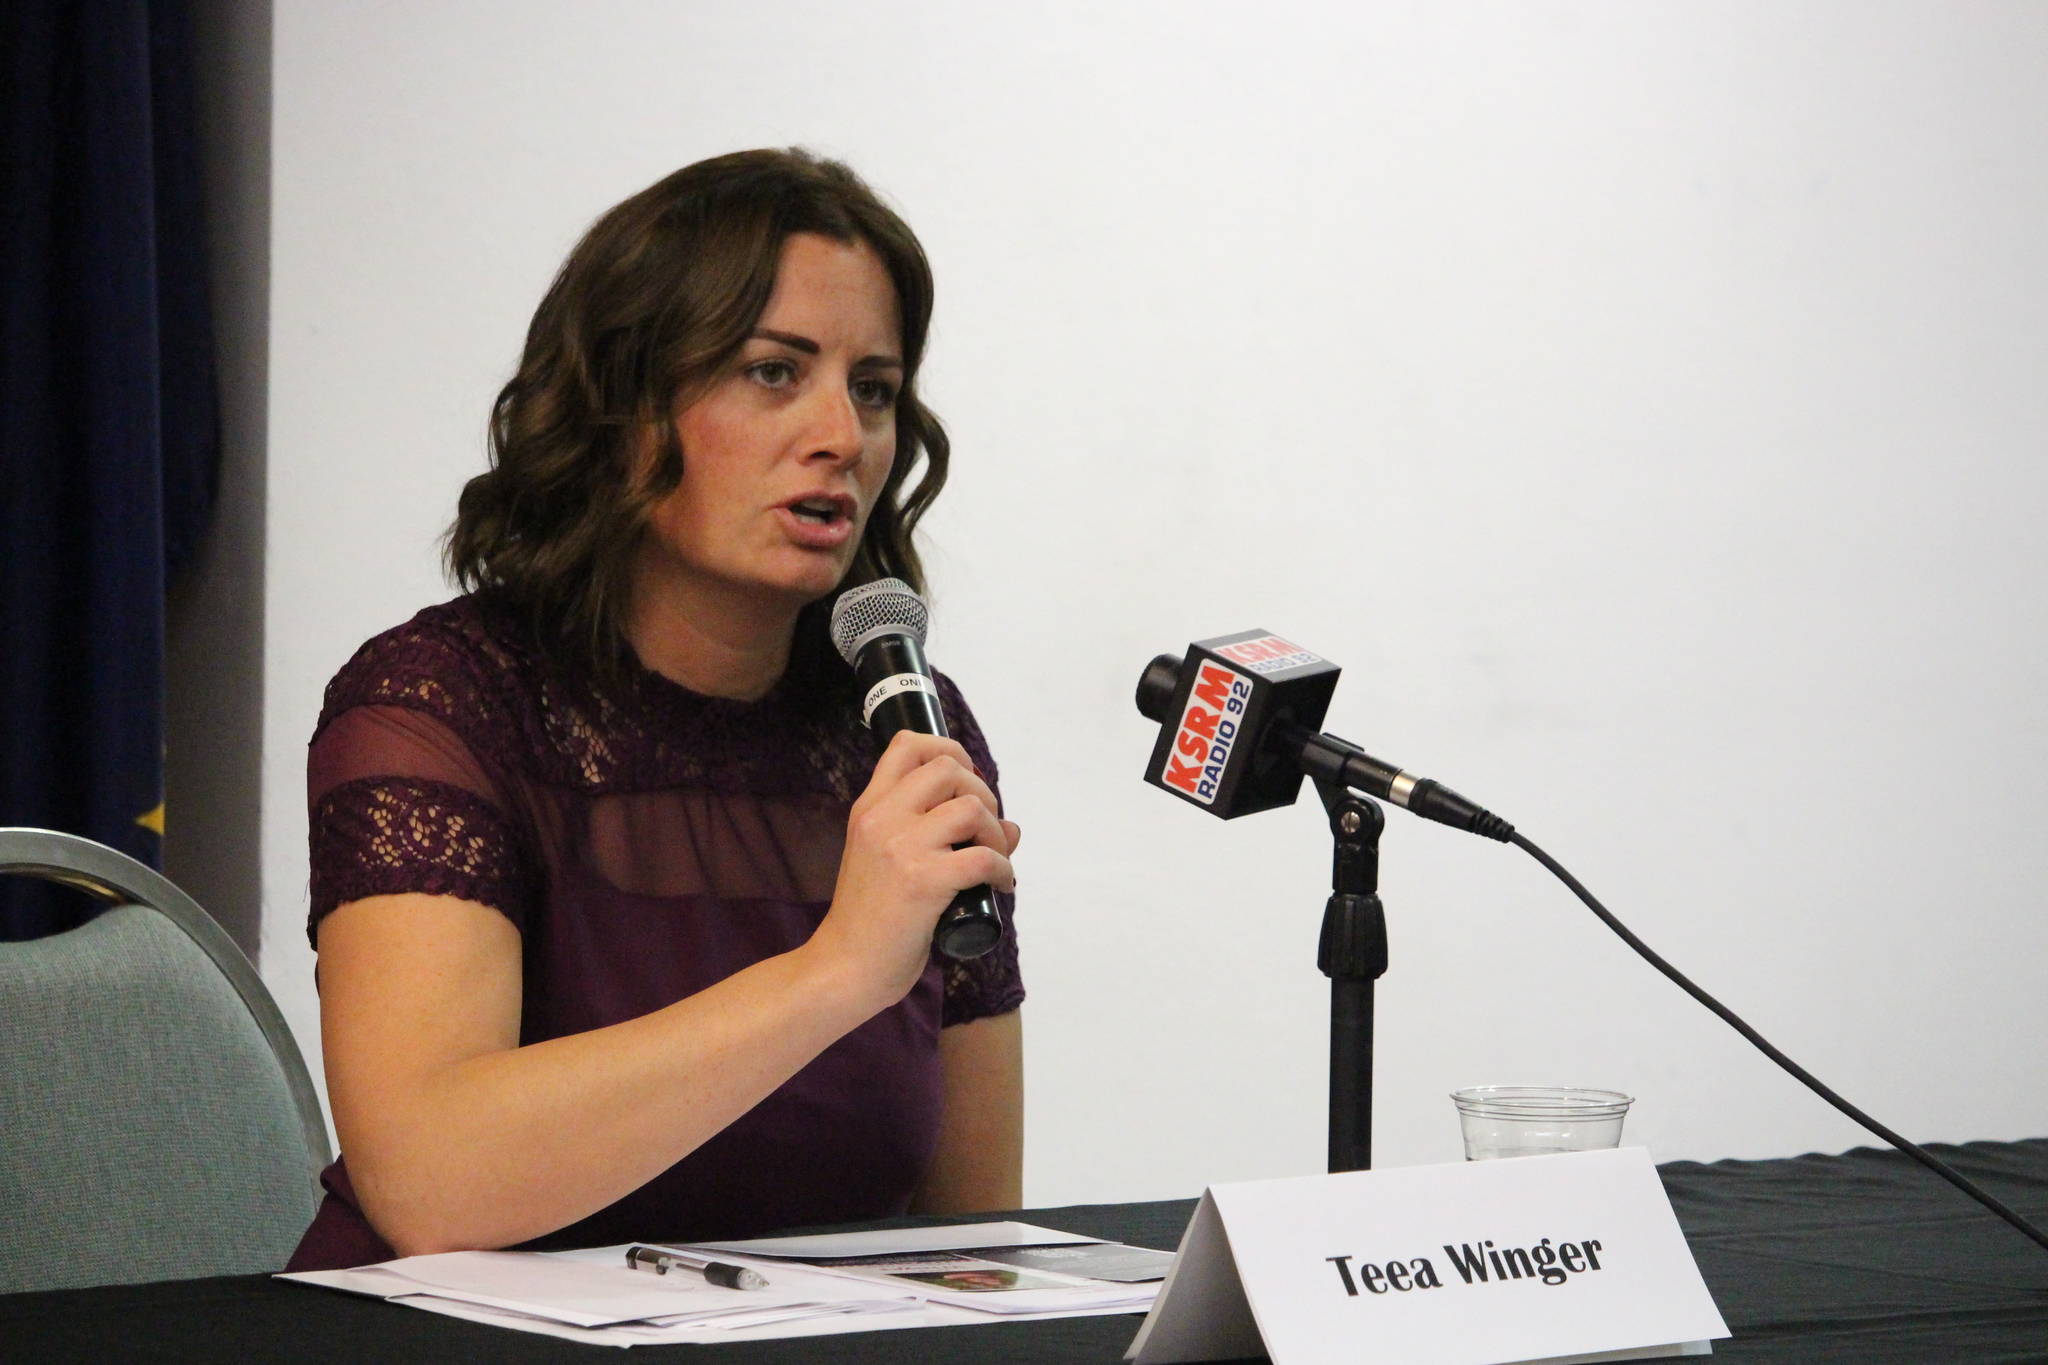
<point>647,843</point>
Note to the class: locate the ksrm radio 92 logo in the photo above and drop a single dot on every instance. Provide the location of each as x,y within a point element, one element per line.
<point>1209,730</point>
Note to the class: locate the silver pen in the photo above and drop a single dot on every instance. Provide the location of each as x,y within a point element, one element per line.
<point>714,1272</point>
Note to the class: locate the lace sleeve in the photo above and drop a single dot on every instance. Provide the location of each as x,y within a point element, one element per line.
<point>398,804</point>
<point>991,984</point>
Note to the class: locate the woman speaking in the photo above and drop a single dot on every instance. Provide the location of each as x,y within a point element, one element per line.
<point>624,930</point>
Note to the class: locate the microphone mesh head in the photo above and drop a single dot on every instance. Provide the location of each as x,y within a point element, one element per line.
<point>887,606</point>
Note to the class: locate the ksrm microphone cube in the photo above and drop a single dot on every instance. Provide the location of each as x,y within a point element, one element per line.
<point>1217,708</point>
<point>1239,720</point>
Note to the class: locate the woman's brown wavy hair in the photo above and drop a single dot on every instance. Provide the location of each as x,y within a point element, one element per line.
<point>647,310</point>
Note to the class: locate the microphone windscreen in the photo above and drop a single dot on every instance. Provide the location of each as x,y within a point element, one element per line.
<point>887,606</point>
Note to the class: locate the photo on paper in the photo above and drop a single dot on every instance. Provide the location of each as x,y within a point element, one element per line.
<point>982,1280</point>
<point>1093,1260</point>
<point>951,1271</point>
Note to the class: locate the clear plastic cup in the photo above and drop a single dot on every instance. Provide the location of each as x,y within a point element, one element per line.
<point>1532,1120</point>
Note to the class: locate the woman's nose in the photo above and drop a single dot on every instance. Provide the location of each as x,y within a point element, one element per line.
<point>834,426</point>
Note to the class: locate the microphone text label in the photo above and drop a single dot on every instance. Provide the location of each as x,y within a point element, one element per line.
<point>1208,732</point>
<point>1268,654</point>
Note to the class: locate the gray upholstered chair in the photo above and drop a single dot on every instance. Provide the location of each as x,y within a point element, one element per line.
<point>156,1119</point>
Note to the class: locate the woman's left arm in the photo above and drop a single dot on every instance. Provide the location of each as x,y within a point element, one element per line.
<point>979,1164</point>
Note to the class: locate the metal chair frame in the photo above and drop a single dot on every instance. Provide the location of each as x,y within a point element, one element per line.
<point>117,879</point>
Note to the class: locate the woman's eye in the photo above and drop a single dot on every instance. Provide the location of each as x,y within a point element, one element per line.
<point>773,374</point>
<point>874,393</point>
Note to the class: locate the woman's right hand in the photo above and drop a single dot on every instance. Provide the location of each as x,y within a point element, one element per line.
<point>900,867</point>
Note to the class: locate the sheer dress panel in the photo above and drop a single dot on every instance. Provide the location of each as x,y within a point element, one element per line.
<point>647,845</point>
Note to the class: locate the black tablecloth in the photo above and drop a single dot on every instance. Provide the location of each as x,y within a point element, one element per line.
<point>1861,1258</point>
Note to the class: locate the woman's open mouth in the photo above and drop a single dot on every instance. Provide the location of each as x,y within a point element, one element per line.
<point>817,511</point>
<point>821,522</point>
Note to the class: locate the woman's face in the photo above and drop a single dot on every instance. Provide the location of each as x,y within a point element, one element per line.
<point>785,454</point>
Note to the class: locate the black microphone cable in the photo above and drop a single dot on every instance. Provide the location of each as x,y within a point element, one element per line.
<point>1763,1045</point>
<point>1330,758</point>
<point>1333,761</point>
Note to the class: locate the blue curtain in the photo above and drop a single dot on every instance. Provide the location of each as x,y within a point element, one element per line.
<point>108,418</point>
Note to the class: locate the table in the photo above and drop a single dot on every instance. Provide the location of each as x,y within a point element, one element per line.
<point>1862,1258</point>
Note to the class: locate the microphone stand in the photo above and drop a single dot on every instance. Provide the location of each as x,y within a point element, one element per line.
<point>1353,954</point>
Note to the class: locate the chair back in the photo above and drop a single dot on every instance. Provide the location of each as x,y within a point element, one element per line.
<point>156,1118</point>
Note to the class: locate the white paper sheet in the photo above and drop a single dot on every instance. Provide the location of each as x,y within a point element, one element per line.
<point>588,1289</point>
<point>952,1237</point>
<point>591,1295</point>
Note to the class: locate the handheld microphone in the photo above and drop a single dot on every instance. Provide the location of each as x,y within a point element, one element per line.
<point>1239,720</point>
<point>880,629</point>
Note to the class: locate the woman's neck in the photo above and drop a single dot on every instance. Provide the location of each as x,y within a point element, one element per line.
<point>715,643</point>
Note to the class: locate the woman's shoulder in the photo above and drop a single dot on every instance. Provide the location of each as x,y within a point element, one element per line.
<point>447,662</point>
<point>469,665</point>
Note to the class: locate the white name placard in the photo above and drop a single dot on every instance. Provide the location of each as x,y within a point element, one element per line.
<point>1552,1258</point>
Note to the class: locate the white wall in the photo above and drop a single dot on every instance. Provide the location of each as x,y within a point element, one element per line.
<point>1643,401</point>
